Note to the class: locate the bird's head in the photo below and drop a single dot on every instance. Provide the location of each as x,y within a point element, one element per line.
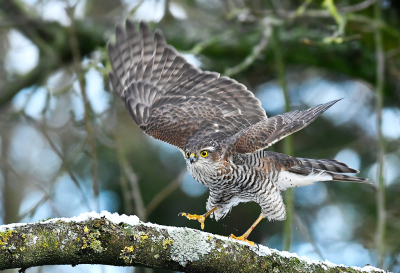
<point>203,155</point>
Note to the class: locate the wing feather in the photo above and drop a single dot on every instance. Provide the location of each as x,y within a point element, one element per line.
<point>169,98</point>
<point>133,40</point>
<point>147,42</point>
<point>267,132</point>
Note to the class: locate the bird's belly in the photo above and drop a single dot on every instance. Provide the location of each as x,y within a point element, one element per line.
<point>207,179</point>
<point>213,178</point>
<point>236,179</point>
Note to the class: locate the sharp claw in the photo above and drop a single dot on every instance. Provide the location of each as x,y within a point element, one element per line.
<point>200,218</point>
<point>202,222</point>
<point>243,239</point>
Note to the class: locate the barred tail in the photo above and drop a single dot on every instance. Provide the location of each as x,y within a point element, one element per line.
<point>331,167</point>
<point>348,178</point>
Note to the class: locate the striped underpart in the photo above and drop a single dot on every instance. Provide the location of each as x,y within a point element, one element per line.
<point>259,178</point>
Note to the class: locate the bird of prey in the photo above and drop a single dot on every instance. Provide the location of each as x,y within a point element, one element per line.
<point>218,125</point>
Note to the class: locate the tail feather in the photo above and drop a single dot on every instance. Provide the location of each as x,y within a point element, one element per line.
<point>331,167</point>
<point>348,178</point>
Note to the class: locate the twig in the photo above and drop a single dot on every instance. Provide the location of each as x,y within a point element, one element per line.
<point>60,155</point>
<point>300,10</point>
<point>34,208</point>
<point>305,231</point>
<point>256,50</point>
<point>392,53</point>
<point>199,47</point>
<point>351,17</point>
<point>380,83</point>
<point>340,21</point>
<point>41,187</point>
<point>136,193</point>
<point>126,195</point>
<point>162,195</point>
<point>330,6</point>
<point>357,7</point>
<point>87,109</point>
<point>133,181</point>
<point>135,8</point>
<point>66,166</point>
<point>10,168</point>
<point>33,29</point>
<point>393,260</point>
<point>167,11</point>
<point>5,189</point>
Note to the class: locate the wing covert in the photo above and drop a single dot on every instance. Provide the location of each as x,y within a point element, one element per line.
<point>267,132</point>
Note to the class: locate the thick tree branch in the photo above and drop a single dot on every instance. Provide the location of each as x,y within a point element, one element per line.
<point>125,241</point>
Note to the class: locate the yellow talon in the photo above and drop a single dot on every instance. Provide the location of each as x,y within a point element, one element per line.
<point>199,218</point>
<point>242,238</point>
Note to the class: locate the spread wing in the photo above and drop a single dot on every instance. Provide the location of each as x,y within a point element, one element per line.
<point>267,132</point>
<point>170,99</point>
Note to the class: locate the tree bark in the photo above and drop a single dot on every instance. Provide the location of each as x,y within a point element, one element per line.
<point>125,241</point>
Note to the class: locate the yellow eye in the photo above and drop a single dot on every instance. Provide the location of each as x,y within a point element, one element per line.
<point>204,153</point>
<point>188,155</point>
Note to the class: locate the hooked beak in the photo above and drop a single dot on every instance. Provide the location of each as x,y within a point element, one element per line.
<point>192,158</point>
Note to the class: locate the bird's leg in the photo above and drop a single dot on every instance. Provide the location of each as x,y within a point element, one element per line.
<point>200,218</point>
<point>247,233</point>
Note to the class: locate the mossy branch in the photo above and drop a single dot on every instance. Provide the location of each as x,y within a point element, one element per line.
<point>125,241</point>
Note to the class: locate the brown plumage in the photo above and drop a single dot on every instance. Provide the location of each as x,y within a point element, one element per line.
<point>219,126</point>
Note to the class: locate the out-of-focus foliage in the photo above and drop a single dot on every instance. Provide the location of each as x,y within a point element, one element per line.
<point>69,146</point>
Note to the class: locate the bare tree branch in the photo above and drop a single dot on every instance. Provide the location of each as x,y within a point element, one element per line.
<point>164,193</point>
<point>91,141</point>
<point>136,193</point>
<point>125,241</point>
<point>44,131</point>
<point>132,192</point>
<point>255,53</point>
<point>357,7</point>
<point>51,40</point>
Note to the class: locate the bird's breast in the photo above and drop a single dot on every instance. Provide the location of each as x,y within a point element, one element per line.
<point>212,176</point>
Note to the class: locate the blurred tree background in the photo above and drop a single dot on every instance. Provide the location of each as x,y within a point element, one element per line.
<point>68,145</point>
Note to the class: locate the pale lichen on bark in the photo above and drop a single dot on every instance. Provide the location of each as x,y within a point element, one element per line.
<point>125,241</point>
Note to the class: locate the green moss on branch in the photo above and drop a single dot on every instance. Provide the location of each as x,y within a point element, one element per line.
<point>101,241</point>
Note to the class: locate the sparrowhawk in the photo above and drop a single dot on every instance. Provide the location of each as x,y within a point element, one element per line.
<point>218,125</point>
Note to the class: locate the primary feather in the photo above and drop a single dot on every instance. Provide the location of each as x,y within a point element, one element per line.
<point>157,85</point>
